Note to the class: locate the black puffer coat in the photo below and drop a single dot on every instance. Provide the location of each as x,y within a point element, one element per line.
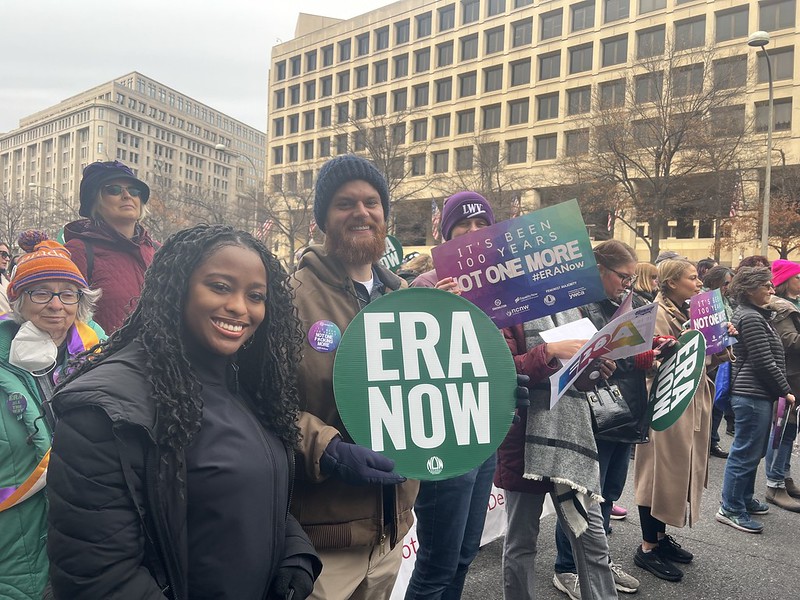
<point>117,509</point>
<point>760,367</point>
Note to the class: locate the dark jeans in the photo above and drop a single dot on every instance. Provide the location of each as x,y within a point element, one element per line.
<point>778,461</point>
<point>716,419</point>
<point>450,517</point>
<point>613,458</point>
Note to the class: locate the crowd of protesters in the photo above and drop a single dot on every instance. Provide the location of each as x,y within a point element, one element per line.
<point>168,429</point>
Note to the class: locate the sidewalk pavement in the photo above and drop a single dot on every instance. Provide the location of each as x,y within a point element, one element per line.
<point>728,564</point>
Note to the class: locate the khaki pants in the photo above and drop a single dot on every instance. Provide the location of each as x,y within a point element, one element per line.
<point>358,573</point>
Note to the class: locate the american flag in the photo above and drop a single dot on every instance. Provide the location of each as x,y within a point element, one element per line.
<point>312,227</point>
<point>610,223</point>
<point>264,230</point>
<point>436,220</point>
<point>516,206</point>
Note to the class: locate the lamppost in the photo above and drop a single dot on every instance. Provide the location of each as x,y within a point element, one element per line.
<point>224,148</point>
<point>760,39</point>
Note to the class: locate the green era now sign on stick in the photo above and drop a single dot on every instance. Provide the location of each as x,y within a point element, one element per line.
<point>424,377</point>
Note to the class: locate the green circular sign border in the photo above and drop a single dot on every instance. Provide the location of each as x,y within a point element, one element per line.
<point>350,365</point>
<point>398,247</point>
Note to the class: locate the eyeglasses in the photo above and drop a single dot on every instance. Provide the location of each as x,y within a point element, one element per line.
<point>767,286</point>
<point>625,279</point>
<point>116,190</point>
<point>5,254</point>
<point>67,297</point>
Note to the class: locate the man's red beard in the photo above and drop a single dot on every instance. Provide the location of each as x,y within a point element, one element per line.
<point>365,250</point>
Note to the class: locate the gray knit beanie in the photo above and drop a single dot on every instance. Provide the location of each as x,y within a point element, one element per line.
<point>338,171</point>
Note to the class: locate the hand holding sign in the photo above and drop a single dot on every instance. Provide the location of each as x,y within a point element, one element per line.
<point>357,465</point>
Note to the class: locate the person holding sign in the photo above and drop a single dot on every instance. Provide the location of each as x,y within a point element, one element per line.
<point>451,513</point>
<point>348,499</point>
<point>758,379</point>
<point>671,469</point>
<point>781,489</point>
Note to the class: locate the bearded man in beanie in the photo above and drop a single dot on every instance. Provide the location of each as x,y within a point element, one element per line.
<point>353,506</point>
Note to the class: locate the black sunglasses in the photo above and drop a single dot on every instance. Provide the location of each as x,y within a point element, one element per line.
<point>116,190</point>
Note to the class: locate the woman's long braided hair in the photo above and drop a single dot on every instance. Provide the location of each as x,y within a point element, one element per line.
<point>267,366</point>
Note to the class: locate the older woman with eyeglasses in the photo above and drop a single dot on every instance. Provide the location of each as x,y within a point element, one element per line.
<point>110,246</point>
<point>758,379</point>
<point>49,324</point>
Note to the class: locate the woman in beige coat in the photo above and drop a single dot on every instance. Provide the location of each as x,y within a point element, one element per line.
<point>671,470</point>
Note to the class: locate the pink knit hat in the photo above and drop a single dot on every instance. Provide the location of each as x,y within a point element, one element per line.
<point>782,270</point>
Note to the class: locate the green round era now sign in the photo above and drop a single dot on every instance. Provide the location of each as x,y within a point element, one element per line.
<point>393,254</point>
<point>677,381</point>
<point>425,378</point>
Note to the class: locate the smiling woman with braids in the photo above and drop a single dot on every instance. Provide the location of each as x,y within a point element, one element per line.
<point>173,453</point>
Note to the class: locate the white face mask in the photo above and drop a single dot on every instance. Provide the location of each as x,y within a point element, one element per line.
<point>33,349</point>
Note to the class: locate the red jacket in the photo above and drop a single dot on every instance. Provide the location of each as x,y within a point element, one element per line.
<point>511,453</point>
<point>118,266</point>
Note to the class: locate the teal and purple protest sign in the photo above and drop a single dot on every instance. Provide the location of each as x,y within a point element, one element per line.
<point>524,268</point>
<point>425,378</point>
<point>708,316</point>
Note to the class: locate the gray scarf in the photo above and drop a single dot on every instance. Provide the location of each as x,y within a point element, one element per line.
<point>559,442</point>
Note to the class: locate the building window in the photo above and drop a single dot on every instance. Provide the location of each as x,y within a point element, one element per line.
<point>782,60</point>
<point>547,107</point>
<point>648,87</point>
<point>546,147</point>
<point>308,150</point>
<point>277,155</point>
<point>293,152</point>
<point>612,94</point>
<point>362,44</point>
<point>517,151</point>
<point>470,11</point>
<point>360,108</point>
<point>646,6</point>
<point>549,65</point>
<point>324,147</point>
<point>491,116</point>
<point>421,95</point>
<point>359,140</point>
<point>493,79</point>
<point>423,25</point>
<point>467,84</point>
<point>277,183</point>
<point>469,47</point>
<point>579,100</point>
<point>308,120</point>
<point>690,33</point>
<point>294,94</point>
<point>326,86</point>
<point>444,89</point>
<point>325,119</point>
<point>327,55</point>
<point>277,127</point>
<point>447,17</point>
<point>382,38</point>
<point>280,98</point>
<point>687,80</point>
<point>444,54</point>
<point>294,65</point>
<point>550,24</point>
<point>650,42</point>
<point>730,72</point>
<point>400,66</point>
<point>495,7</point>
<point>381,71</point>
<point>779,14</point>
<point>518,112</point>
<point>294,123</point>
<point>343,82</point>
<point>417,165</point>
<point>399,100</point>
<point>441,126</point>
<point>344,50</point>
<point>311,90</point>
<point>728,121</point>
<point>402,30</point>
<point>308,179</point>
<point>582,15</point>
<point>342,112</point>
<point>521,3</point>
<point>280,70</point>
<point>580,58</point>
<point>615,10</point>
<point>311,61</point>
<point>464,158</point>
<point>494,40</point>
<point>399,134</point>
<point>422,60</point>
<point>521,72</point>
<point>379,104</point>
<point>782,117</point>
<point>577,142</point>
<point>362,76</point>
<point>440,161</point>
<point>466,121</point>
<point>341,143</point>
<point>522,33</point>
<point>615,50</point>
<point>732,24</point>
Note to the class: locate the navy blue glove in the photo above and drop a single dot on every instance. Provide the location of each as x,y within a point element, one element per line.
<point>357,465</point>
<point>522,393</point>
<point>291,583</point>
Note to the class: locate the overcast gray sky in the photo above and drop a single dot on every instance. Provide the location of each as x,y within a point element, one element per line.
<point>216,51</point>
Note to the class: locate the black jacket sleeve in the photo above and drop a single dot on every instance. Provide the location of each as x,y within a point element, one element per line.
<point>299,550</point>
<point>95,541</point>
